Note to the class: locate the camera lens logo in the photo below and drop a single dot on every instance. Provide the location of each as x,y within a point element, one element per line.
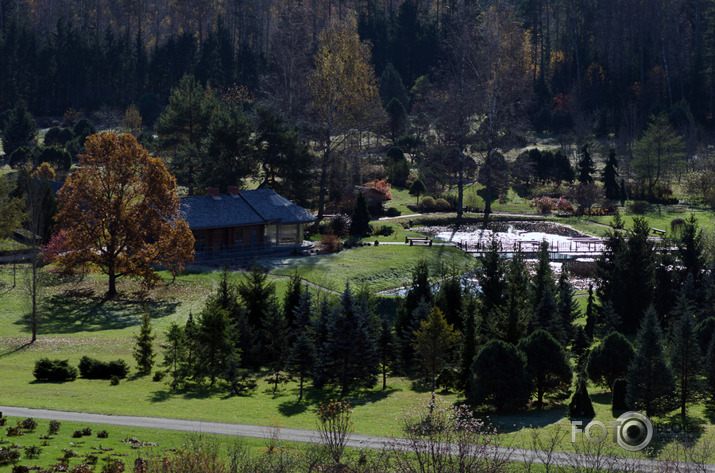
<point>634,431</point>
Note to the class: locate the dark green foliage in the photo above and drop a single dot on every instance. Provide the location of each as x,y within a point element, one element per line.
<point>58,157</point>
<point>215,343</point>
<point>581,405</point>
<point>302,359</point>
<point>650,380</point>
<point>387,350</point>
<point>705,331</point>
<point>468,348</point>
<point>254,290</point>
<point>546,315</point>
<point>516,310</point>
<point>546,364</point>
<point>149,108</point>
<point>348,356</point>
<point>710,372</point>
<point>610,176</point>
<point>610,360</point>
<point>590,313</point>
<point>499,377</point>
<point>396,119</point>
<point>175,353</point>
<point>392,87</point>
<point>619,393</point>
<point>586,166</point>
<point>360,220</point>
<point>418,187</point>
<point>91,368</point>
<point>490,275</point>
<point>580,344</point>
<point>54,427</point>
<point>144,348</point>
<point>8,455</point>
<point>544,277</point>
<point>690,249</point>
<point>449,300</point>
<point>82,129</point>
<point>567,306</point>
<point>407,319</point>
<point>21,156</point>
<point>276,337</point>
<point>292,299</point>
<point>499,174</point>
<point>20,130</point>
<point>52,137</point>
<point>686,361</point>
<point>609,321</point>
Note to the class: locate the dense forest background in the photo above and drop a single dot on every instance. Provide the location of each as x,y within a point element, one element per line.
<point>610,63</point>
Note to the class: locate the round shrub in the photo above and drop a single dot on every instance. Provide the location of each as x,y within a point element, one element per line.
<point>428,204</point>
<point>28,424</point>
<point>54,370</point>
<point>20,156</point>
<point>499,376</point>
<point>52,137</point>
<point>65,136</point>
<point>393,212</point>
<point>441,205</point>
<point>609,360</point>
<point>91,368</point>
<point>114,381</point>
<point>57,156</point>
<point>77,434</point>
<point>8,455</point>
<point>103,434</point>
<point>54,426</point>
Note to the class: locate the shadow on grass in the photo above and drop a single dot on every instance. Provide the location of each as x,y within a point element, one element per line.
<point>16,349</point>
<point>313,397</point>
<point>192,391</point>
<point>82,311</point>
<point>513,422</point>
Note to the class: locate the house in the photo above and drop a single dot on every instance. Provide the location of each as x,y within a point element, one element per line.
<point>241,223</point>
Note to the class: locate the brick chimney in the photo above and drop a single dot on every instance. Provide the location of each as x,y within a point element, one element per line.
<point>233,191</point>
<point>213,192</point>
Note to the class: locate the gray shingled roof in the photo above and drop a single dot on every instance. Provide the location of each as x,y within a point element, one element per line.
<point>253,207</point>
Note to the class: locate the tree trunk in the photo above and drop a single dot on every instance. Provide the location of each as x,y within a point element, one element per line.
<point>300,392</point>
<point>384,377</point>
<point>323,178</point>
<point>112,291</point>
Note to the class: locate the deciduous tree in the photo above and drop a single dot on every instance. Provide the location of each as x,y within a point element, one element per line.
<point>657,152</point>
<point>433,343</point>
<point>120,213</point>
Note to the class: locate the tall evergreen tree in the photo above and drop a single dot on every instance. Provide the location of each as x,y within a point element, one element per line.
<point>144,349</point>
<point>255,290</point>
<point>20,130</point>
<point>690,249</point>
<point>360,222</point>
<point>586,166</point>
<point>468,349</point>
<point>387,350</point>
<point>581,405</point>
<point>710,372</point>
<point>392,87</point>
<point>610,176</point>
<point>302,359</point>
<point>215,337</point>
<point>292,299</point>
<point>610,360</point>
<point>546,315</point>
<point>490,275</point>
<point>686,361</point>
<point>276,335</point>
<point>433,343</point>
<point>590,313</point>
<point>546,363</point>
<point>567,306</point>
<point>650,380</point>
<point>449,300</point>
<point>544,277</point>
<point>517,298</point>
<point>349,355</point>
<point>175,353</point>
<point>499,376</point>
<point>419,292</point>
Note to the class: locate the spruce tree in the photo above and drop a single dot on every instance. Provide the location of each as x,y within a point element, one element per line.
<point>291,299</point>
<point>191,335</point>
<point>545,313</point>
<point>449,300</point>
<point>490,275</point>
<point>302,359</point>
<point>175,353</point>
<point>468,350</point>
<point>544,277</point>
<point>610,175</point>
<point>391,86</point>
<point>650,380</point>
<point>360,220</point>
<point>580,345</point>
<point>586,167</point>
<point>623,192</point>
<point>433,343</point>
<point>20,130</point>
<point>276,336</point>
<point>517,299</point>
<point>609,322</point>
<point>215,341</point>
<point>581,405</point>
<point>499,377</point>
<point>387,350</point>
<point>546,364</point>
<point>144,349</point>
<point>686,361</point>
<point>255,290</point>
<point>567,306</point>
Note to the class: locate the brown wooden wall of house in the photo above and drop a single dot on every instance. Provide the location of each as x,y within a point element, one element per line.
<point>217,238</point>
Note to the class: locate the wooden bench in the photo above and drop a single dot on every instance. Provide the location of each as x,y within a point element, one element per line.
<point>412,240</point>
<point>658,231</point>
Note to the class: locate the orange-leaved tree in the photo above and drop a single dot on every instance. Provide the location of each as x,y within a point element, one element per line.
<point>119,212</point>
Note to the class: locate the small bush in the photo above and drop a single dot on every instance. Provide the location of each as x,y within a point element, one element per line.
<point>384,230</point>
<point>114,381</point>
<point>82,468</point>
<point>8,455</point>
<point>32,451</point>
<point>393,212</point>
<point>28,424</point>
<point>2,421</point>
<point>87,431</point>
<point>543,204</point>
<point>14,432</point>
<point>441,205</point>
<point>114,465</point>
<point>54,370</point>
<point>103,434</point>
<point>54,426</point>
<point>329,244</point>
<point>95,369</point>
<point>91,459</point>
<point>158,376</point>
<point>77,434</point>
<point>638,207</point>
<point>20,469</point>
<point>428,204</point>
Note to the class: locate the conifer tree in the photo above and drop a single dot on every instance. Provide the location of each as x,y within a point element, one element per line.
<point>360,222</point>
<point>690,249</point>
<point>276,336</point>
<point>302,359</point>
<point>581,405</point>
<point>490,276</point>
<point>418,187</point>
<point>586,167</point>
<point>610,360</point>
<point>407,318</point>
<point>610,175</point>
<point>544,314</point>
<point>291,299</point>
<point>349,356</point>
<point>191,335</point>
<point>567,305</point>
<point>517,298</point>
<point>499,376</point>
<point>610,321</point>
<point>215,341</point>
<point>21,129</point>
<point>144,349</point>
<point>175,353</point>
<point>449,300</point>
<point>580,345</point>
<point>546,363</point>
<point>544,277</point>
<point>650,380</point>
<point>433,343</point>
<point>686,361</point>
<point>468,349</point>
<point>387,350</point>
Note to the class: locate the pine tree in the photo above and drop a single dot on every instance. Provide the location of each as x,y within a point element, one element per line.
<point>610,321</point>
<point>580,345</point>
<point>302,359</point>
<point>543,277</point>
<point>144,349</point>
<point>468,350</point>
<point>191,335</point>
<point>391,86</point>
<point>544,314</point>
<point>276,336</point>
<point>175,353</point>
<point>650,380</point>
<point>449,300</point>
<point>255,290</point>
<point>546,363</point>
<point>215,341</point>
<point>20,130</point>
<point>517,298</point>
<point>581,405</point>
<point>567,306</point>
<point>609,176</point>
<point>360,222</point>
<point>686,361</point>
<point>610,360</point>
<point>291,299</point>
<point>586,167</point>
<point>490,275</point>
<point>499,376</point>
<point>622,192</point>
<point>419,292</point>
<point>690,249</point>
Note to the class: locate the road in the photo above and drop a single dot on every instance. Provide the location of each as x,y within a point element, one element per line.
<point>598,462</point>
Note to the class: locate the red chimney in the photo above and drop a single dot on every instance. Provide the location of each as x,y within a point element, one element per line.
<point>233,190</point>
<point>212,191</point>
